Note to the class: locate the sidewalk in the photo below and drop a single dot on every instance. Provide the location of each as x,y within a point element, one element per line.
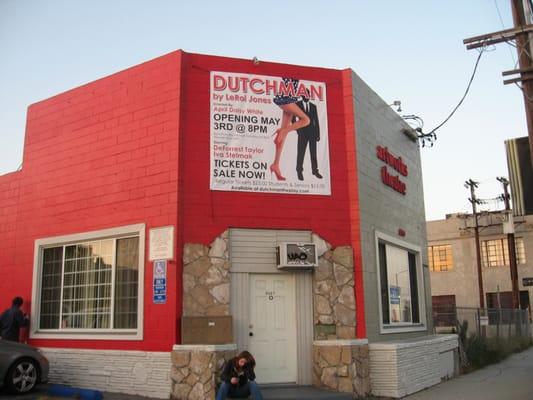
<point>40,393</point>
<point>512,379</point>
<point>269,393</point>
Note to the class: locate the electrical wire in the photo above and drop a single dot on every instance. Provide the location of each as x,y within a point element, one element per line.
<point>522,51</point>
<point>503,26</point>
<point>483,49</point>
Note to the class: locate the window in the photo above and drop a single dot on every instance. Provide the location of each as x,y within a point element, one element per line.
<point>495,253</point>
<point>444,310</point>
<point>398,284</point>
<point>90,286</point>
<point>504,300</point>
<point>440,258</point>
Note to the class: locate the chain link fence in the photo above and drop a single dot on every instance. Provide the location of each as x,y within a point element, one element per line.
<point>488,322</point>
<point>500,330</point>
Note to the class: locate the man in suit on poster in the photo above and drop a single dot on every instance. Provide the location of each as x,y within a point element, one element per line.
<point>309,134</point>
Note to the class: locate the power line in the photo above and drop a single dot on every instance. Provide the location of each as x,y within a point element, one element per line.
<point>466,91</point>
<point>503,26</point>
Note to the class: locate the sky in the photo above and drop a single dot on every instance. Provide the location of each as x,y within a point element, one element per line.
<point>408,50</point>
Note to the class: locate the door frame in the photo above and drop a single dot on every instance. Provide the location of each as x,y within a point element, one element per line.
<point>293,330</point>
<point>240,306</point>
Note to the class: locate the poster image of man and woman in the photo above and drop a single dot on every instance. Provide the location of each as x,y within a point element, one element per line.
<point>269,134</point>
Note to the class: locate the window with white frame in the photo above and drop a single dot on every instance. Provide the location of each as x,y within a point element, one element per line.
<point>398,285</point>
<point>495,253</point>
<point>90,285</point>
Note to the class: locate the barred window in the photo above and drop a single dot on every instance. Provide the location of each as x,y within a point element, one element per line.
<point>92,285</point>
<point>440,258</point>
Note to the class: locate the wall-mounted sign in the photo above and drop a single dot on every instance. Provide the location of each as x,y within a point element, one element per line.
<point>160,282</point>
<point>527,281</point>
<point>297,255</point>
<point>396,163</point>
<point>394,294</point>
<point>258,142</point>
<point>161,243</point>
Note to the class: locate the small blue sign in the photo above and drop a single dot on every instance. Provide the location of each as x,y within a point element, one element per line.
<point>160,298</point>
<point>394,294</point>
<point>160,282</point>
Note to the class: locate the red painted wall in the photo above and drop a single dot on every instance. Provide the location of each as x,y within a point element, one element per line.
<point>211,212</point>
<point>134,148</point>
<point>208,213</point>
<point>99,156</point>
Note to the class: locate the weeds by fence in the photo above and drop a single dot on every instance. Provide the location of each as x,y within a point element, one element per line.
<point>486,335</point>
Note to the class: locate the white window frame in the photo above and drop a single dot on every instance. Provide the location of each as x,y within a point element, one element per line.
<point>402,327</point>
<point>100,334</point>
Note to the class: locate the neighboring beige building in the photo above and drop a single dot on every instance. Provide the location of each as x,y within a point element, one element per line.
<point>453,267</point>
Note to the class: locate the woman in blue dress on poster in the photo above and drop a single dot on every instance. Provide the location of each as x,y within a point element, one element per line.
<point>293,118</point>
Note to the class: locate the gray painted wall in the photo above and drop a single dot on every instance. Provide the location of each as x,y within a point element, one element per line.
<point>381,208</point>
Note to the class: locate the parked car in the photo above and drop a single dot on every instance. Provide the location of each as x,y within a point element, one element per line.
<point>22,366</point>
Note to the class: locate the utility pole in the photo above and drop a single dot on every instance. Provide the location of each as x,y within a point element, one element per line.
<point>526,66</point>
<point>520,33</point>
<point>473,186</point>
<point>511,243</point>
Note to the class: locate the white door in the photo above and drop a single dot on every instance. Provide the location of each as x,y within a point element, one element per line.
<point>272,333</point>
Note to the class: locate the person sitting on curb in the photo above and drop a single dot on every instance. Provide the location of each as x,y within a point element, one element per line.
<point>238,379</point>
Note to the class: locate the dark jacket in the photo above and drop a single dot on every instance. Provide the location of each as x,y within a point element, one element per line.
<point>230,371</point>
<point>11,321</point>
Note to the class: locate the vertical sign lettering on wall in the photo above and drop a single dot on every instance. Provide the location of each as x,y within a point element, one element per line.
<point>396,163</point>
<point>268,134</point>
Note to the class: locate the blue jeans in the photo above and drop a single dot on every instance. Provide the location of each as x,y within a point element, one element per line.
<point>241,392</point>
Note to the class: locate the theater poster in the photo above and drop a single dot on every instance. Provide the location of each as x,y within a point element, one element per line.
<point>269,134</point>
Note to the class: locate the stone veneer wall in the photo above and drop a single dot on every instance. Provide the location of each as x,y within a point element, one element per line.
<point>206,289</point>
<point>195,369</point>
<point>333,292</point>
<point>342,365</point>
<point>132,372</point>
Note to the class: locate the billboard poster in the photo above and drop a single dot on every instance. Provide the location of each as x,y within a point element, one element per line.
<point>269,134</point>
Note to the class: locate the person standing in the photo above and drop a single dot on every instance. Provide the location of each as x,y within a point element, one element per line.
<point>12,320</point>
<point>238,379</point>
<point>308,135</point>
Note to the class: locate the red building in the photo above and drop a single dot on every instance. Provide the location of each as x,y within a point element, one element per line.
<point>107,163</point>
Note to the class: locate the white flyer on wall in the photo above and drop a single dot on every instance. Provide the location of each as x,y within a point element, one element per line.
<point>268,134</point>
